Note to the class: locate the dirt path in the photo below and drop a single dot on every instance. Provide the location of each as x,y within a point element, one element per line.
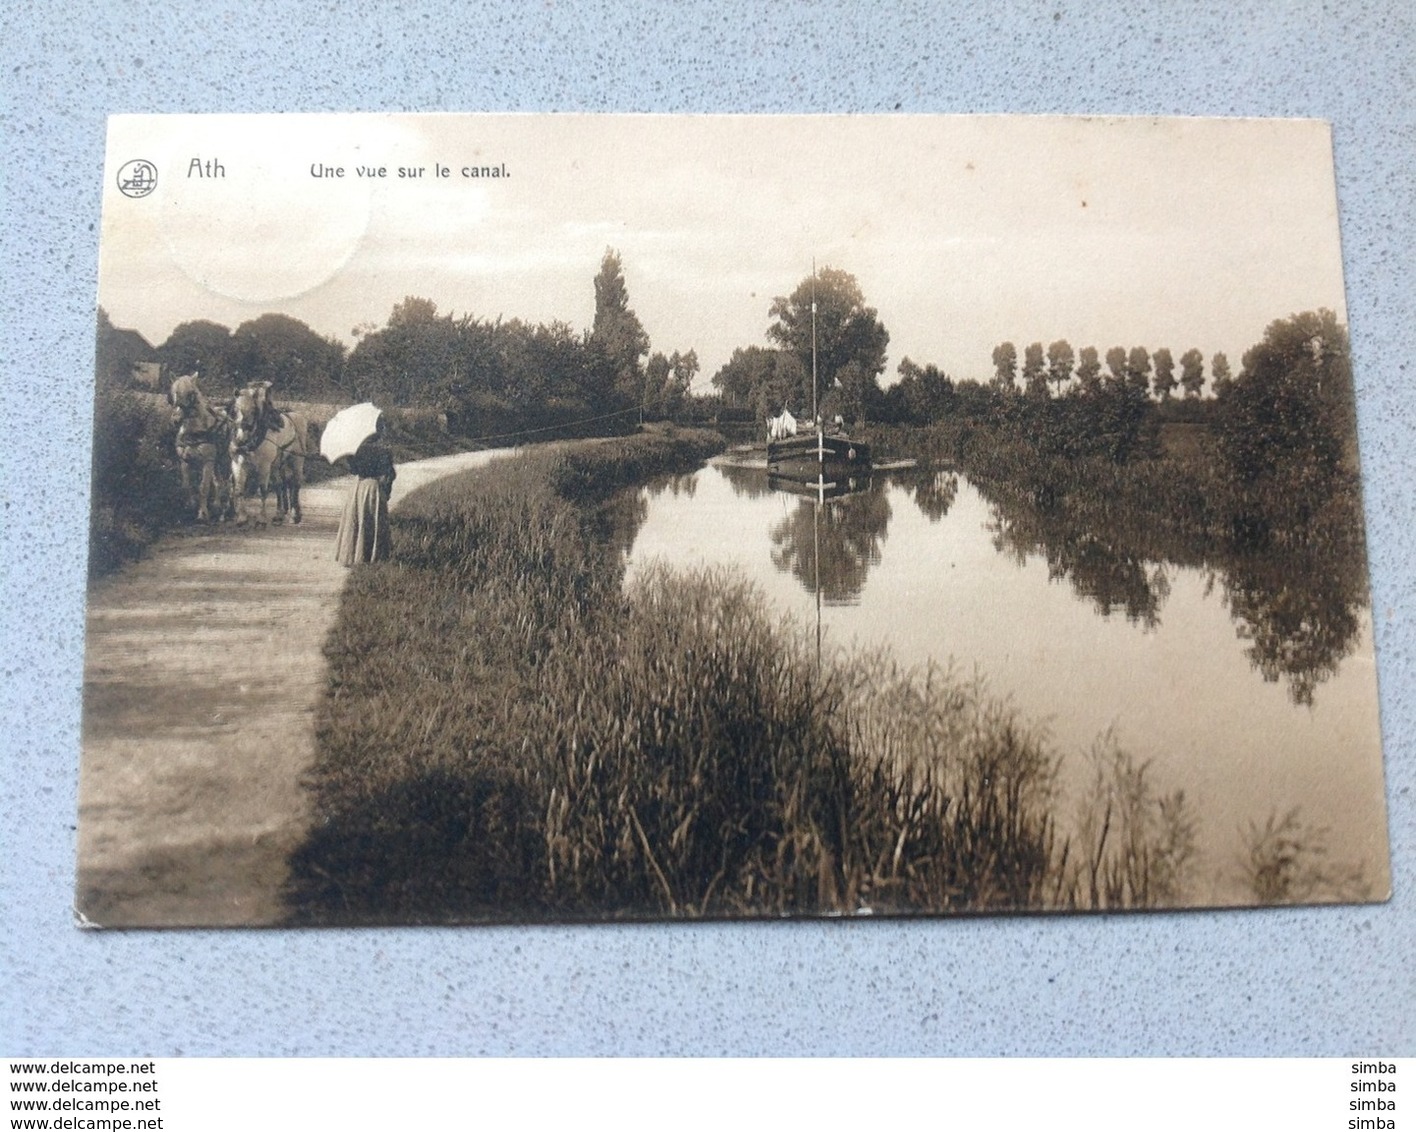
<point>203,668</point>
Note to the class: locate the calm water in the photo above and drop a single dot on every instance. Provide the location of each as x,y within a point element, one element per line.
<point>1079,635</point>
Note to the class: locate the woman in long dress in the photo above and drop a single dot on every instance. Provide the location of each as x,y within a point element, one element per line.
<point>363,528</point>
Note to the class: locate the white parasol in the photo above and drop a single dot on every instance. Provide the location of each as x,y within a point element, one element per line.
<point>348,429</point>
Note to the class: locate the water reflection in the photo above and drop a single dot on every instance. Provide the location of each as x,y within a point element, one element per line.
<point>1301,616</point>
<point>830,546</point>
<point>933,492</point>
<point>681,485</point>
<point>615,524</point>
<point>747,482</point>
<point>1299,602</point>
<point>1110,575</point>
<point>833,538</point>
<point>1297,606</point>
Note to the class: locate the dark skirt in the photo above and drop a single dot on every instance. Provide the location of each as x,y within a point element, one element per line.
<point>363,528</point>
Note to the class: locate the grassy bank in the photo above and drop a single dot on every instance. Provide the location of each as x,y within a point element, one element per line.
<point>511,733</point>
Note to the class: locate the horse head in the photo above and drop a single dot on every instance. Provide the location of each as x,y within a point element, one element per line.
<point>251,412</point>
<point>184,396</point>
<point>254,412</point>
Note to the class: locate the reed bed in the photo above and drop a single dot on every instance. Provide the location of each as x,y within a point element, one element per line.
<point>511,733</point>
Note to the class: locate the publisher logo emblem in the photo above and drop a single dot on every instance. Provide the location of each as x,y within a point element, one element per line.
<point>137,178</point>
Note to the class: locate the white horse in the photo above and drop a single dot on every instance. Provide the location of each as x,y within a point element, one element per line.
<point>271,445</point>
<point>203,447</point>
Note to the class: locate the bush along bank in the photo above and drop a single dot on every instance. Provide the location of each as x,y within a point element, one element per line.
<point>512,733</point>
<point>136,487</point>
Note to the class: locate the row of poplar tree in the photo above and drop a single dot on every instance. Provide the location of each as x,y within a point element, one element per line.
<point>1136,368</point>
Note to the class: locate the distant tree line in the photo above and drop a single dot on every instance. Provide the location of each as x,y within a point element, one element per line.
<point>487,375</point>
<point>850,345</point>
<point>1068,371</point>
<point>1257,485</point>
<point>1275,440</point>
<point>1289,406</point>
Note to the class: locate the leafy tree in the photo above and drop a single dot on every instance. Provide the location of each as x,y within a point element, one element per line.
<point>1124,422</point>
<point>116,354</point>
<point>1164,381</point>
<point>531,366</point>
<point>666,382</point>
<point>489,377</point>
<point>1192,372</point>
<point>656,377</point>
<point>1005,366</point>
<point>1221,377</point>
<point>617,331</point>
<point>767,379</point>
<point>850,338</point>
<point>973,400</point>
<point>286,352</point>
<point>1138,366</point>
<point>413,360</point>
<point>1116,364</point>
<point>1089,371</point>
<point>854,396</point>
<point>1285,420</point>
<point>412,311</point>
<point>199,347</point>
<point>1059,363</point>
<point>683,368</point>
<point>921,395</point>
<point>1034,371</point>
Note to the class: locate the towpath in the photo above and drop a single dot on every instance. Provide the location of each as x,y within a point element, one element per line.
<point>203,670</point>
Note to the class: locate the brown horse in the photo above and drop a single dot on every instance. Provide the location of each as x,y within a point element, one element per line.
<point>203,448</point>
<point>270,445</point>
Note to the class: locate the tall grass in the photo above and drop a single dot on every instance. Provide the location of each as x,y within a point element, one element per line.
<point>1133,847</point>
<point>711,766</point>
<point>1287,860</point>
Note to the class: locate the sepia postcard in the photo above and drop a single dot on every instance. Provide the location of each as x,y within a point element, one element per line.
<point>523,518</point>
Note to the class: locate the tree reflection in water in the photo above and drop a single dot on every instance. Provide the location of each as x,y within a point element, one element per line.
<point>1298,600</point>
<point>746,482</point>
<point>933,493</point>
<point>1301,614</point>
<point>616,522</point>
<point>1101,569</point>
<point>685,485</point>
<point>833,544</point>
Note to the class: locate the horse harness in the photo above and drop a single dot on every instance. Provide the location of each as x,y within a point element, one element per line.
<point>259,435</point>
<point>189,438</point>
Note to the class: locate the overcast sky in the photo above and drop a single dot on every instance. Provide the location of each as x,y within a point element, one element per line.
<point>962,231</point>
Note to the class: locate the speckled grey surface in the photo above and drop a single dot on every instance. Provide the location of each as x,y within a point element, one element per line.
<point>1303,981</point>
